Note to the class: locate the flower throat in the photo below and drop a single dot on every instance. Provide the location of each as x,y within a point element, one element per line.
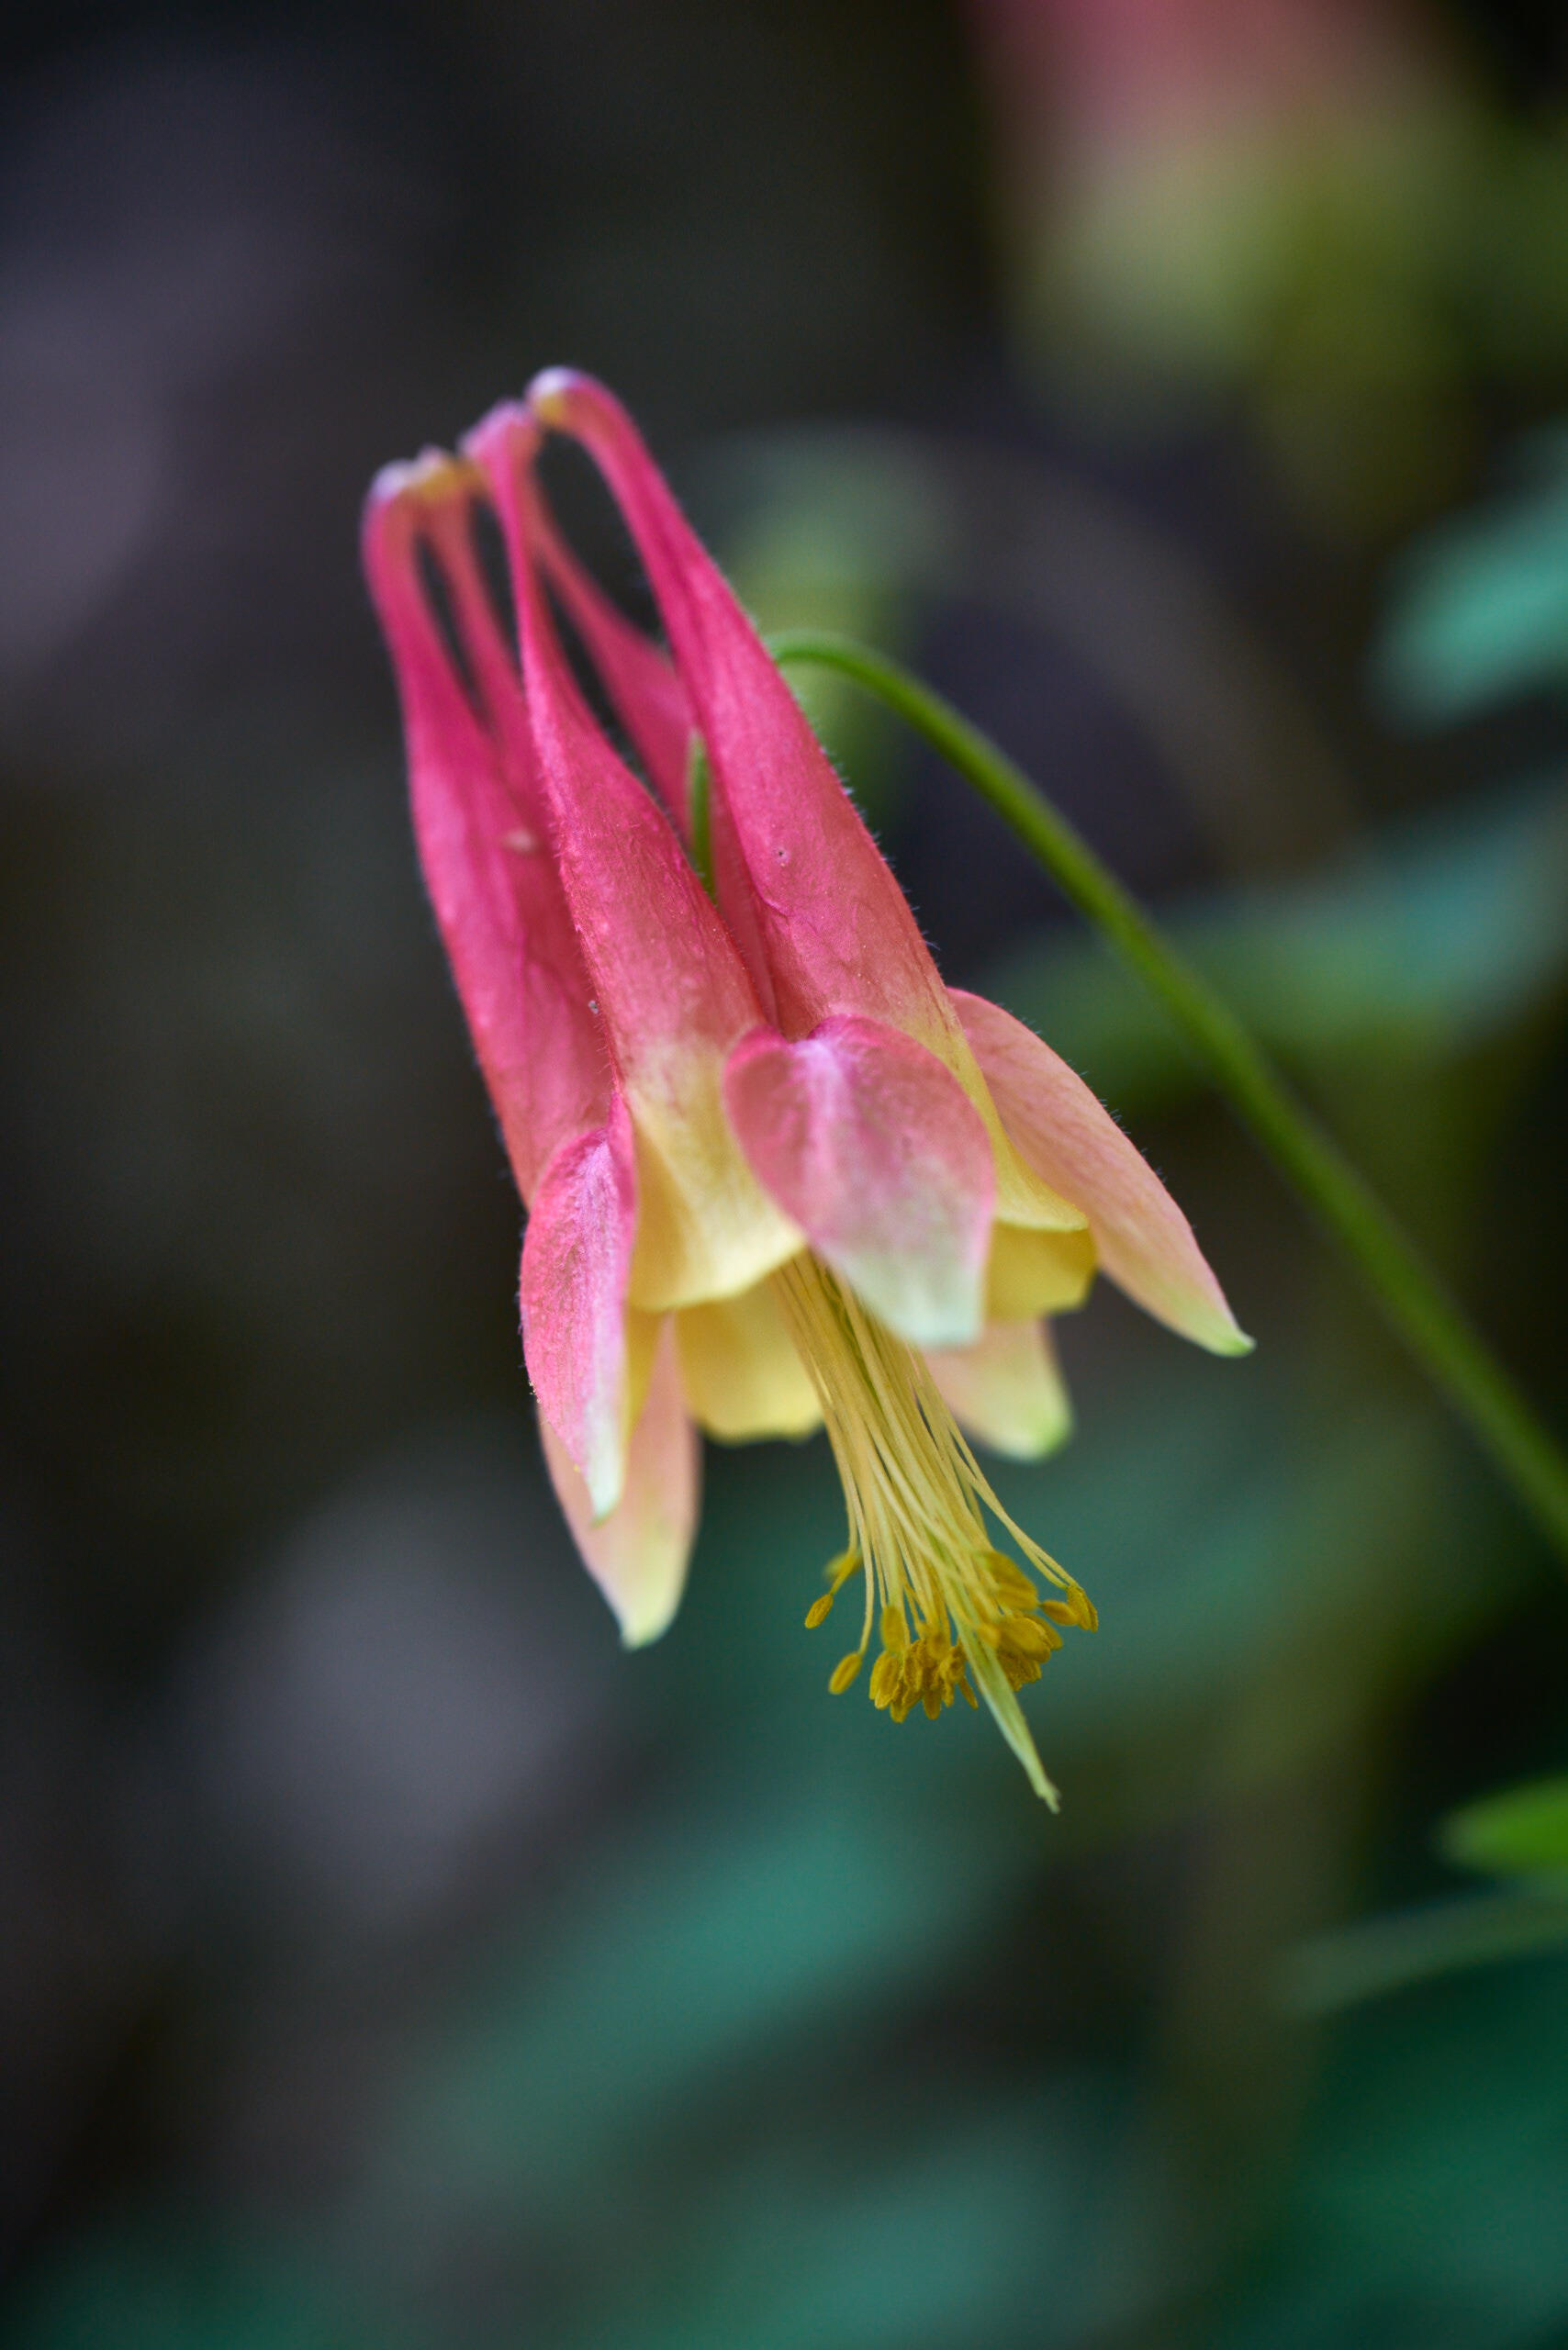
<point>946,1604</point>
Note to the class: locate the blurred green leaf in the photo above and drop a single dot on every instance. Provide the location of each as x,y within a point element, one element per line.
<point>859,2242</point>
<point>1520,1833</point>
<point>1481,606</point>
<point>714,1939</point>
<point>1389,1953</point>
<point>1426,2210</point>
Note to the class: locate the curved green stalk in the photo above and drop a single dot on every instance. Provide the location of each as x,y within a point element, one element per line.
<point>1413,1298</point>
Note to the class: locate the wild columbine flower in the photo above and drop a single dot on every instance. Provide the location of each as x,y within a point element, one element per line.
<point>777,1176</point>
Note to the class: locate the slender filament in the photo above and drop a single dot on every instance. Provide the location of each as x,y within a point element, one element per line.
<point>944,1601</point>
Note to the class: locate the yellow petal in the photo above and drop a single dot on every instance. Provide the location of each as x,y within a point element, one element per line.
<point>705,1226</point>
<point>1033,1273</point>
<point>1023,1194</point>
<point>641,1345</point>
<point>742,1375</point>
<point>1007,1391</point>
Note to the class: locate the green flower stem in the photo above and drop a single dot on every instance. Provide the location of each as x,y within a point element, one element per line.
<point>1412,1296</point>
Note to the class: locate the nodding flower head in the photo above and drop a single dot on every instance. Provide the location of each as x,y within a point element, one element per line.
<point>777,1176</point>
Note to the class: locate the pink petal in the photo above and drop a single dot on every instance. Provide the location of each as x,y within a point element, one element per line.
<point>482,825</point>
<point>648,697</point>
<point>662,966</point>
<point>1007,1389</point>
<point>638,1554</point>
<point>817,915</point>
<point>821,920</point>
<point>1143,1240</point>
<point>577,1265</point>
<point>874,1150</point>
<point>668,982</point>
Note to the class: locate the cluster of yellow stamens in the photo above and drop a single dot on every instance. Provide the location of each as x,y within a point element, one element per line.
<point>948,1604</point>
<point>928,1672</point>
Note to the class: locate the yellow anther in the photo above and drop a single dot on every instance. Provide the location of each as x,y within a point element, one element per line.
<point>845,1671</point>
<point>1012,1586</point>
<point>1029,1636</point>
<point>895,1631</point>
<point>838,1572</point>
<point>1074,1607</point>
<point>885,1676</point>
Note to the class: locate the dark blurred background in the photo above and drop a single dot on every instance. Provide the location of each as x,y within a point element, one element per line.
<point>384,1956</point>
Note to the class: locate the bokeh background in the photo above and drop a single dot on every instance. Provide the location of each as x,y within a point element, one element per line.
<point>384,1956</point>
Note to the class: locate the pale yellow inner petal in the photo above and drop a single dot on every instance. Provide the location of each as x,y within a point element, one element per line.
<point>1007,1390</point>
<point>705,1226</point>
<point>742,1375</point>
<point>1031,1274</point>
<point>641,1345</point>
<point>1023,1197</point>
